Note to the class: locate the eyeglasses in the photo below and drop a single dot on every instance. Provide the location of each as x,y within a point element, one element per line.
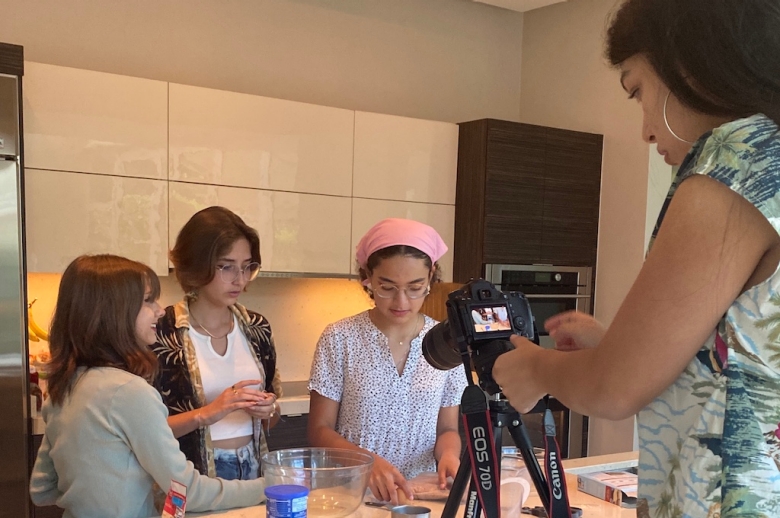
<point>230,272</point>
<point>389,291</point>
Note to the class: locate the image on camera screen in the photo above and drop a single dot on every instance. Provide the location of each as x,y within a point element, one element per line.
<point>490,319</point>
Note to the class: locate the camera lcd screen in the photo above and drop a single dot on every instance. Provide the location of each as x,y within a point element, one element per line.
<point>490,319</point>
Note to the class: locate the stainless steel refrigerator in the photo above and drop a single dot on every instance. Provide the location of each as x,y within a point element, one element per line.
<point>14,374</point>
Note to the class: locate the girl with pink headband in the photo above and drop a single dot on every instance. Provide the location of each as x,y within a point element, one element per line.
<point>371,388</point>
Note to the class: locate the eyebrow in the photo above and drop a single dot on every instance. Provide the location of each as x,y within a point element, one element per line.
<point>390,281</point>
<point>226,260</point>
<point>623,77</point>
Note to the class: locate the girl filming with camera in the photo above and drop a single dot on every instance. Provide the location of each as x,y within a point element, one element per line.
<point>107,441</point>
<point>371,388</point>
<point>693,349</point>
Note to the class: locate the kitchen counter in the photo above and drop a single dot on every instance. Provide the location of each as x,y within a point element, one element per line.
<point>592,507</point>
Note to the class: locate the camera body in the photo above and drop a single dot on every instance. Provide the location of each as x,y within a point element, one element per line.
<point>480,320</point>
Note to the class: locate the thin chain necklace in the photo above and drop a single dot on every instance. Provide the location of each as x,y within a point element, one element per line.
<point>195,320</point>
<point>414,329</point>
<point>402,360</point>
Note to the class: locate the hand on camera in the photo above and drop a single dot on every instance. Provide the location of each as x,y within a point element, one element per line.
<point>573,330</point>
<point>387,483</point>
<point>236,397</point>
<point>515,374</point>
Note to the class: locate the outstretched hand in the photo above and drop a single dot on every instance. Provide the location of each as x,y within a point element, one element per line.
<point>574,330</point>
<point>515,373</point>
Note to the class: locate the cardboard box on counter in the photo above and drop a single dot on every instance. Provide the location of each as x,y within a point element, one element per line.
<point>618,487</point>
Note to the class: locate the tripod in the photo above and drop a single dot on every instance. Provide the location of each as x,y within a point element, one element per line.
<point>502,415</point>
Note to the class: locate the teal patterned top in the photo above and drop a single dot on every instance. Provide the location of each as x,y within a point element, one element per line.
<point>710,443</point>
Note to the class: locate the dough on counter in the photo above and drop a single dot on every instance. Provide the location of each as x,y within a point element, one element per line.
<point>425,486</point>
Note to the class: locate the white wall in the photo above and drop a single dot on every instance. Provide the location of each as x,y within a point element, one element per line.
<point>447,60</point>
<point>566,83</point>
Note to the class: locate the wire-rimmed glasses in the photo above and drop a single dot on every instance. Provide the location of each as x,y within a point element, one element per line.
<point>389,291</point>
<point>230,272</point>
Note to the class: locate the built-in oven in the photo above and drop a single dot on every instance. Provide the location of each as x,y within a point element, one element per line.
<point>551,290</point>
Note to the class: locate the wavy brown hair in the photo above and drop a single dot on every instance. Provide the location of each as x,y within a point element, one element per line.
<point>718,57</point>
<point>207,236</point>
<point>94,321</point>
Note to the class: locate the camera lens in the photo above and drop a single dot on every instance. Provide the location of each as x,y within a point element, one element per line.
<point>439,349</point>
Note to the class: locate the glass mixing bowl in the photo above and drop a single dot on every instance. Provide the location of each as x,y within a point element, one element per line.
<point>337,479</point>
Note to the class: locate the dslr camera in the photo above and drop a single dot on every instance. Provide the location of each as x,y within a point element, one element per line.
<point>480,320</point>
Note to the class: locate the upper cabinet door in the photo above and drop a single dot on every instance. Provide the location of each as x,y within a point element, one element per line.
<point>227,138</point>
<point>93,122</point>
<point>366,213</point>
<point>298,232</point>
<point>398,158</point>
<point>70,214</point>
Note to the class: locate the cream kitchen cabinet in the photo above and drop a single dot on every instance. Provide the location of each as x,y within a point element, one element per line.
<point>365,213</point>
<point>298,232</point>
<point>398,158</point>
<point>69,214</point>
<point>92,122</point>
<point>240,140</point>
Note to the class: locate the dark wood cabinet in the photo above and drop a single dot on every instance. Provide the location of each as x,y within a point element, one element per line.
<point>289,432</point>
<point>525,195</point>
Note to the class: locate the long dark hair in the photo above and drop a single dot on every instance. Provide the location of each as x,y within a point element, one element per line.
<point>94,320</point>
<point>718,57</point>
<point>207,236</point>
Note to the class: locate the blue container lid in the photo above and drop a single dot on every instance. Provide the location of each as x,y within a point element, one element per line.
<point>286,492</point>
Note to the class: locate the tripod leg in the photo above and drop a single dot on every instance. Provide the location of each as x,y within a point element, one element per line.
<point>523,443</point>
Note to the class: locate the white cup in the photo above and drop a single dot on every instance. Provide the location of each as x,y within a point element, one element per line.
<point>514,492</point>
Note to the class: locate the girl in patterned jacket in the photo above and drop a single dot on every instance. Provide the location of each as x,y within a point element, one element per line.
<point>694,348</point>
<point>371,388</point>
<point>217,359</point>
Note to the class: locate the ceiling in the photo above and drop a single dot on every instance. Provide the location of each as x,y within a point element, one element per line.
<point>520,5</point>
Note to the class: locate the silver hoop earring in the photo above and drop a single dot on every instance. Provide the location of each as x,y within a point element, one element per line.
<point>666,121</point>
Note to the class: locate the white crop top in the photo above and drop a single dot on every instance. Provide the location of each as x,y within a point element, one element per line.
<point>220,372</point>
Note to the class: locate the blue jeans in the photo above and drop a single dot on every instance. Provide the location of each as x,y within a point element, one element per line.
<point>240,464</point>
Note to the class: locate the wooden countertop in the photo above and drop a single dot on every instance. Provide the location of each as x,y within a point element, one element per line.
<point>592,507</point>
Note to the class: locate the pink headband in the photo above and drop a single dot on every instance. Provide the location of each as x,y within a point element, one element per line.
<point>396,231</point>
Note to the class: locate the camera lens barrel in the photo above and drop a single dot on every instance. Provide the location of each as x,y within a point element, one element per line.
<point>439,349</point>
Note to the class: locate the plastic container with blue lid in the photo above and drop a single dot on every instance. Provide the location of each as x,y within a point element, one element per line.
<point>286,501</point>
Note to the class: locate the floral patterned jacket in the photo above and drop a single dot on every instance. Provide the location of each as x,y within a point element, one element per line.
<point>179,382</point>
<point>710,443</point>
